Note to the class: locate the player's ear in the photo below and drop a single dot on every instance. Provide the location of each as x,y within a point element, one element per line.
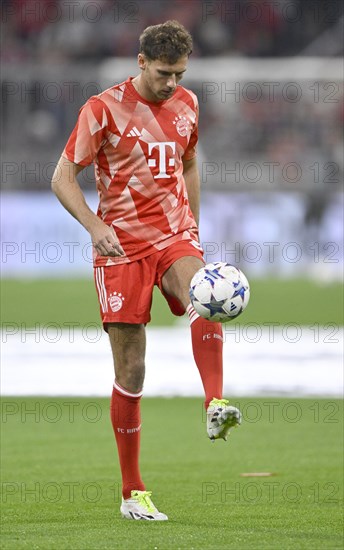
<point>142,61</point>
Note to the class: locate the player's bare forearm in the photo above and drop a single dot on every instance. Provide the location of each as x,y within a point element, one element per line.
<point>192,182</point>
<point>67,189</point>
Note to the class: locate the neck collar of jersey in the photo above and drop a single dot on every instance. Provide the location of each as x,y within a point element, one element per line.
<point>139,97</point>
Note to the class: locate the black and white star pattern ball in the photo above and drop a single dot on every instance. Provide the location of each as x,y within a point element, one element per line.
<point>219,292</point>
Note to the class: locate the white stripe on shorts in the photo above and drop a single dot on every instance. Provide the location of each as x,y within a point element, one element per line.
<point>101,288</point>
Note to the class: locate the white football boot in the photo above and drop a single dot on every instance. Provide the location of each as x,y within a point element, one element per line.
<point>220,418</point>
<point>140,506</point>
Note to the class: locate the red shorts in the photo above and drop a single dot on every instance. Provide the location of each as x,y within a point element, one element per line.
<point>125,291</point>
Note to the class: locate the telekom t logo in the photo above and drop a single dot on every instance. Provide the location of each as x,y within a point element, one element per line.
<point>162,146</point>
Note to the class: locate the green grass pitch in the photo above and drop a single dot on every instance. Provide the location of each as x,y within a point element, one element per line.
<point>60,477</point>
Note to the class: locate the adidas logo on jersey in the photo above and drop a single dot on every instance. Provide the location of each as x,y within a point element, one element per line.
<point>134,132</point>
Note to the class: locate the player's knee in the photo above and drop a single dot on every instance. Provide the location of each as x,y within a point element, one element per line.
<point>131,376</point>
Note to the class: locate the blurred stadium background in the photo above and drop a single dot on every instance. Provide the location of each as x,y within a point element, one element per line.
<point>269,78</point>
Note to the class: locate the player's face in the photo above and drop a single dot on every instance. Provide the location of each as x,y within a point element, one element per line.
<point>161,78</point>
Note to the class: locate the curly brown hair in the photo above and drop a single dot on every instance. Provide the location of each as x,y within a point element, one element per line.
<point>167,42</point>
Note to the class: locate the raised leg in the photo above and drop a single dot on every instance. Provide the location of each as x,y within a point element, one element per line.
<point>206,336</point>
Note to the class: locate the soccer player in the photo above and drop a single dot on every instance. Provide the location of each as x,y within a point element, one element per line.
<point>141,136</point>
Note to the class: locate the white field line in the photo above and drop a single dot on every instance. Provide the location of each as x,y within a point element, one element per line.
<point>295,361</point>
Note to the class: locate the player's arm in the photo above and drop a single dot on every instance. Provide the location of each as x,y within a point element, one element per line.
<point>192,182</point>
<point>67,189</point>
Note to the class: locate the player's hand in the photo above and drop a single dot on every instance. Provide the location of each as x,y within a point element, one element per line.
<point>105,240</point>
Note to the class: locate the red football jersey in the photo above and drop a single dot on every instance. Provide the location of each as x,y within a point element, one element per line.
<point>137,147</point>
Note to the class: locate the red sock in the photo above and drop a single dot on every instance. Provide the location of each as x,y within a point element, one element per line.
<point>207,343</point>
<point>126,423</point>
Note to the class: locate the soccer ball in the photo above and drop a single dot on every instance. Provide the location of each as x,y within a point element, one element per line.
<point>219,292</point>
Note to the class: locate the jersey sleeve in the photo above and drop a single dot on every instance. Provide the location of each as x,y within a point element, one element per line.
<point>191,150</point>
<point>89,133</point>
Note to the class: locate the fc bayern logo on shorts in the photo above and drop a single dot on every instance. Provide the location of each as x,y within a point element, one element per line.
<point>183,125</point>
<point>116,301</point>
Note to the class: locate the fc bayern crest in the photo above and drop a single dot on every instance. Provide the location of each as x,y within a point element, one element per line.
<point>183,125</point>
<point>116,301</point>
